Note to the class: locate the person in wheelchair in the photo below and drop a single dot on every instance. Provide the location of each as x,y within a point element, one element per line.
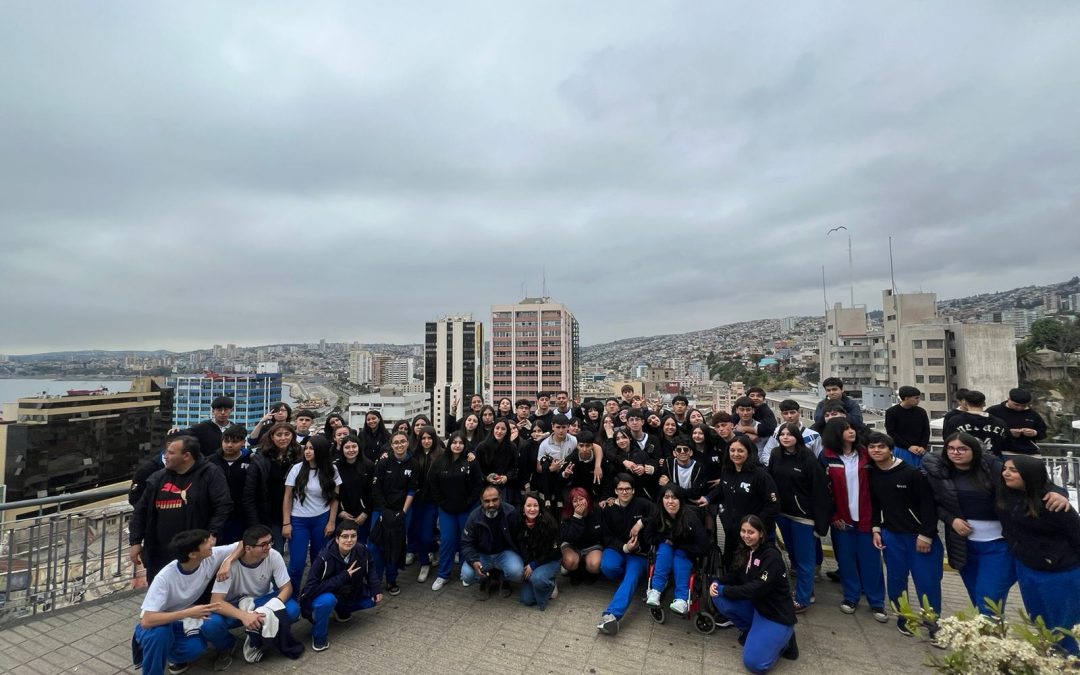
<point>680,538</point>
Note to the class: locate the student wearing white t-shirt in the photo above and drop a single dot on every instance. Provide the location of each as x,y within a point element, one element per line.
<point>259,575</point>
<point>309,510</point>
<point>160,636</point>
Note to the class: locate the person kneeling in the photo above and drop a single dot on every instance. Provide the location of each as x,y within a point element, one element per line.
<point>487,543</point>
<point>536,536</point>
<point>757,599</point>
<point>342,580</point>
<point>169,626</point>
<point>257,595</point>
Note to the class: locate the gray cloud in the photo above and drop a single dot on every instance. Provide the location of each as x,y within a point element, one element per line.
<point>175,176</point>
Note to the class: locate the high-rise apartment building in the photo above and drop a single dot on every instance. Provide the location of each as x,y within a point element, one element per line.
<point>379,362</point>
<point>916,347</point>
<point>453,362</point>
<point>253,395</point>
<point>360,366</point>
<point>534,347</point>
<point>399,371</point>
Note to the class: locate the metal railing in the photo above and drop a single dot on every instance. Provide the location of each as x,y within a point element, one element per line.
<point>53,560</point>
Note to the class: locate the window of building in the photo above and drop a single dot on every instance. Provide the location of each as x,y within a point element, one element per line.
<point>918,361</point>
<point>916,344</point>
<point>919,379</point>
<point>935,344</point>
<point>937,379</point>
<point>935,362</point>
<point>937,397</point>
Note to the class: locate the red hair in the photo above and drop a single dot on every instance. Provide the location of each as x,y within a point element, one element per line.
<point>568,507</point>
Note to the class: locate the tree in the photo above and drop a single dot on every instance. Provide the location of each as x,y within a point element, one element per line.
<point>1045,333</point>
<point>1025,358</point>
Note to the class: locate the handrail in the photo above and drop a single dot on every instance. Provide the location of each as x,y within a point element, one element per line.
<point>89,495</point>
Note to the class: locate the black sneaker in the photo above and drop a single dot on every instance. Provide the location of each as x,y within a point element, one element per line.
<point>833,575</point>
<point>933,631</point>
<point>393,589</point>
<point>791,652</point>
<point>847,607</point>
<point>902,626</point>
<point>742,638</point>
<point>723,622</point>
<point>177,668</point>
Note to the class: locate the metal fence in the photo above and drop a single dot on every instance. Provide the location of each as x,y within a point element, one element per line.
<point>56,559</point>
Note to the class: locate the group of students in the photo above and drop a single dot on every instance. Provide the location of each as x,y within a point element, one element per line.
<point>517,495</point>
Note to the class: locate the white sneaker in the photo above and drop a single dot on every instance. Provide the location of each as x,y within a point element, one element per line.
<point>680,607</point>
<point>464,583</point>
<point>424,571</point>
<point>563,571</point>
<point>439,583</point>
<point>252,654</point>
<point>652,597</point>
<point>410,558</point>
<point>554,591</point>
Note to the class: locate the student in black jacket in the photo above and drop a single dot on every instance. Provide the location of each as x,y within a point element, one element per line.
<point>264,489</point>
<point>805,505</point>
<point>536,538</point>
<point>190,493</point>
<point>686,471</point>
<point>904,528</point>
<point>579,536</point>
<point>392,489</point>
<point>1025,425</point>
<point>497,456</point>
<point>623,560</point>
<point>233,459</point>
<point>679,536</point>
<point>755,597</point>
<point>454,484</point>
<point>374,438</point>
<point>354,493</point>
<point>745,489</point>
<point>1046,545</point>
<point>208,432</point>
<point>909,427</point>
<point>427,448</point>
<point>342,579</point>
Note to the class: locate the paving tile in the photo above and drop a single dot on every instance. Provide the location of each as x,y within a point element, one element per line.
<point>93,667</point>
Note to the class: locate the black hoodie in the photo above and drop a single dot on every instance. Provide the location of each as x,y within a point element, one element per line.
<point>394,481</point>
<point>354,493</point>
<point>455,484</point>
<point>763,581</point>
<point>803,488</point>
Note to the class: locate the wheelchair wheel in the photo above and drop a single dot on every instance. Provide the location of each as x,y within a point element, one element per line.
<point>658,615</point>
<point>705,623</point>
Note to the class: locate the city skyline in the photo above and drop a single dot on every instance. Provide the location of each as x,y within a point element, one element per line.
<point>178,176</point>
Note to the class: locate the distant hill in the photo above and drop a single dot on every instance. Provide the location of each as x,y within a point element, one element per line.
<point>89,354</point>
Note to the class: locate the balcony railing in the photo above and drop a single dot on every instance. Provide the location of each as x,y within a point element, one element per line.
<point>60,558</point>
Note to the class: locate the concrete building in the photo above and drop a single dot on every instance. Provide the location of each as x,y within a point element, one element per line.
<point>400,371</point>
<point>379,362</point>
<point>453,363</point>
<point>267,367</point>
<point>534,347</point>
<point>360,367</point>
<point>916,347</point>
<point>62,444</point>
<point>391,402</point>
<point>252,393</point>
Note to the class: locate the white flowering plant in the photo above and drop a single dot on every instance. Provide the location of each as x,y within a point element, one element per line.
<point>989,644</point>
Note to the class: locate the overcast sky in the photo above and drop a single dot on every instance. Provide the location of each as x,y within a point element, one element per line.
<point>174,175</point>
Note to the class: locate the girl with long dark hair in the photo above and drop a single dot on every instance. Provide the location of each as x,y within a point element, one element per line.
<point>497,455</point>
<point>310,504</point>
<point>536,537</point>
<point>264,487</point>
<point>680,538</point>
<point>279,413</point>
<point>454,484</point>
<point>745,489</point>
<point>755,596</point>
<point>354,493</point>
<point>427,448</point>
<point>374,438</point>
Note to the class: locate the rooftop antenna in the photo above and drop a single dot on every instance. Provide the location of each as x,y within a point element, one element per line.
<point>543,273</point>
<point>892,270</point>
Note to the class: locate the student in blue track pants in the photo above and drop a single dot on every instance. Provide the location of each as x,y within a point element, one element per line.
<point>621,524</point>
<point>1046,545</point>
<point>755,596</point>
<point>455,484</point>
<point>905,528</point>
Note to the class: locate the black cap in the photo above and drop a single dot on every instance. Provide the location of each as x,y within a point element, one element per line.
<point>222,402</point>
<point>1021,396</point>
<point>235,431</point>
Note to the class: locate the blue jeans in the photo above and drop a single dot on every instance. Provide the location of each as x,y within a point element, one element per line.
<point>450,527</point>
<point>167,644</point>
<point>1055,596</point>
<point>323,604</point>
<point>990,571</point>
<point>508,562</point>
<point>306,542</point>
<point>668,558</point>
<point>378,556</point>
<point>627,569</point>
<point>536,590</point>
<point>925,569</point>
<point>421,535</point>
<point>765,639</point>
<point>217,626</point>
<point>860,566</point>
<point>799,539</point>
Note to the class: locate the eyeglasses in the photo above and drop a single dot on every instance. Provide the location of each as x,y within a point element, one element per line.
<point>350,535</point>
<point>264,544</point>
<point>955,449</point>
<point>624,489</point>
<point>683,450</point>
